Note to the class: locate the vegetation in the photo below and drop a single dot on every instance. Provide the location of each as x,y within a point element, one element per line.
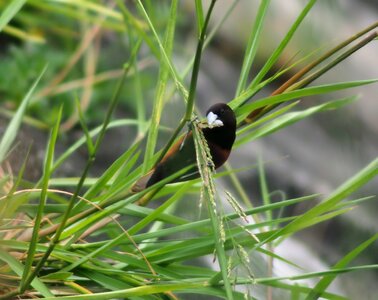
<point>88,236</point>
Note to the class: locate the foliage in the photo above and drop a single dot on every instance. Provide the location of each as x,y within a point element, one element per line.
<point>91,237</point>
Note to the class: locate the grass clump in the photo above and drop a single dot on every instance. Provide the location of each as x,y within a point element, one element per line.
<point>89,236</point>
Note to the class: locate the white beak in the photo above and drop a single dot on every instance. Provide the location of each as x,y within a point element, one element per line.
<point>213,121</point>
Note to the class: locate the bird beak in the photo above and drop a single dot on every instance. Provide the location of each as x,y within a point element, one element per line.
<point>213,121</point>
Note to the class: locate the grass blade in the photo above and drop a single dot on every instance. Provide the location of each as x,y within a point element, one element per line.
<point>199,14</point>
<point>351,185</point>
<point>278,51</point>
<point>10,11</point>
<point>291,118</point>
<point>160,90</point>
<point>242,112</point>
<point>322,285</point>
<point>164,55</point>
<point>18,268</point>
<point>12,129</point>
<point>253,43</point>
<point>37,222</point>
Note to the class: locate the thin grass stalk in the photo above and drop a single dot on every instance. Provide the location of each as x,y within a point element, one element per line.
<point>252,46</point>
<point>5,203</point>
<point>9,12</point>
<point>160,89</point>
<point>37,222</point>
<point>277,52</point>
<point>199,15</point>
<point>10,133</point>
<point>193,84</point>
<point>163,54</point>
<point>351,185</point>
<point>56,237</point>
<point>322,285</point>
<point>317,62</point>
<point>290,84</point>
<point>306,81</point>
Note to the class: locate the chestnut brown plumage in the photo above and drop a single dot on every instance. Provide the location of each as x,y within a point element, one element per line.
<point>220,136</point>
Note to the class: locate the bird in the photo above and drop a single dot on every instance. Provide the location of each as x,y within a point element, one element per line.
<point>220,136</point>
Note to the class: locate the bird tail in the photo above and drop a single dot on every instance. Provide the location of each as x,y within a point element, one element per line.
<point>141,183</point>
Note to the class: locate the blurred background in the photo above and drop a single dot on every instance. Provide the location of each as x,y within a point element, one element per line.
<point>313,156</point>
<point>318,154</point>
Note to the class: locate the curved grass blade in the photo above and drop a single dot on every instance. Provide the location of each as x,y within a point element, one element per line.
<point>291,118</point>
<point>253,43</point>
<point>351,185</point>
<point>322,285</point>
<point>164,55</point>
<point>37,222</point>
<point>160,90</point>
<point>10,11</point>
<point>278,51</point>
<point>18,268</point>
<point>242,112</point>
<point>12,129</point>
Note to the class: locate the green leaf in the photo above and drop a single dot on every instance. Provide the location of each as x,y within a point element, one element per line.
<point>278,51</point>
<point>9,12</point>
<point>18,268</point>
<point>160,89</point>
<point>289,119</point>
<point>57,276</point>
<point>199,15</point>
<point>12,129</point>
<point>253,43</point>
<point>351,185</point>
<point>45,183</point>
<point>245,110</point>
<point>322,285</point>
<point>164,56</point>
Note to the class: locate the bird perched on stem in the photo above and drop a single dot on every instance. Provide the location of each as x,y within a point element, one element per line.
<point>220,136</point>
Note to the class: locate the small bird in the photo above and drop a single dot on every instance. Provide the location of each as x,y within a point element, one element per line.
<point>220,136</point>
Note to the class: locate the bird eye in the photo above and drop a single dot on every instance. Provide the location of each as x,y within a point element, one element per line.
<point>222,110</point>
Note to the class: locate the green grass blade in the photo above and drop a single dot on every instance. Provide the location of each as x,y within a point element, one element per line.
<point>273,115</point>
<point>143,290</point>
<point>264,188</point>
<point>45,183</point>
<point>252,46</point>
<point>164,56</point>
<point>243,111</point>
<point>300,289</point>
<point>199,15</point>
<point>8,206</point>
<point>351,185</point>
<point>289,119</point>
<point>18,268</point>
<point>12,129</point>
<point>90,145</point>
<point>159,210</point>
<point>111,172</point>
<point>160,89</point>
<point>318,274</point>
<point>107,281</point>
<point>9,12</point>
<point>139,99</point>
<point>278,51</point>
<point>112,205</point>
<point>138,27</point>
<point>322,285</point>
<point>74,147</point>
